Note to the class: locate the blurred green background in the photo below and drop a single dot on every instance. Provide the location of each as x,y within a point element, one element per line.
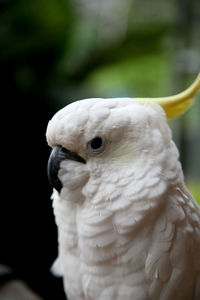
<point>53,52</point>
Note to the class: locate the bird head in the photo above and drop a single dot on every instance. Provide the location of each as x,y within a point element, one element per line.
<point>97,137</point>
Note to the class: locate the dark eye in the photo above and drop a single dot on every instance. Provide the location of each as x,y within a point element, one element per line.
<point>96,145</point>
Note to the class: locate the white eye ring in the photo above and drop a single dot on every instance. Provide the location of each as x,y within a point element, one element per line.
<point>96,145</point>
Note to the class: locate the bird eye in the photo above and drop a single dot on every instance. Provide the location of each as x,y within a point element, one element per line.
<point>96,145</point>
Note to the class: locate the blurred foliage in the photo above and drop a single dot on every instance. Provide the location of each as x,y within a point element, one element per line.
<point>33,36</point>
<point>27,28</point>
<point>195,190</point>
<point>130,77</point>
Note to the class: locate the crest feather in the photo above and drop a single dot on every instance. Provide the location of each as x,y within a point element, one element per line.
<point>177,104</point>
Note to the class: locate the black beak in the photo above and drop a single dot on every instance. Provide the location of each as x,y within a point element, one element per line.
<point>58,154</point>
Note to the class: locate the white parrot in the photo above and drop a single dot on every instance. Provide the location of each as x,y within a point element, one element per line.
<point>128,228</point>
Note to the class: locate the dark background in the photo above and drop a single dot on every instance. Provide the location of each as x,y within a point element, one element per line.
<point>53,52</point>
<point>33,36</point>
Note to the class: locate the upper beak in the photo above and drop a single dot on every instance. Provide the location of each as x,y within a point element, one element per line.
<point>58,154</point>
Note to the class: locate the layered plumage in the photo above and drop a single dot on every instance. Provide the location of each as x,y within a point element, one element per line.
<point>128,228</point>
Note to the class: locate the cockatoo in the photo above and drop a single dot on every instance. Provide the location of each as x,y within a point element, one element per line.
<point>128,228</point>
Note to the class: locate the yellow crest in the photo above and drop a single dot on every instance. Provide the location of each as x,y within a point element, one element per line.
<point>177,104</point>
